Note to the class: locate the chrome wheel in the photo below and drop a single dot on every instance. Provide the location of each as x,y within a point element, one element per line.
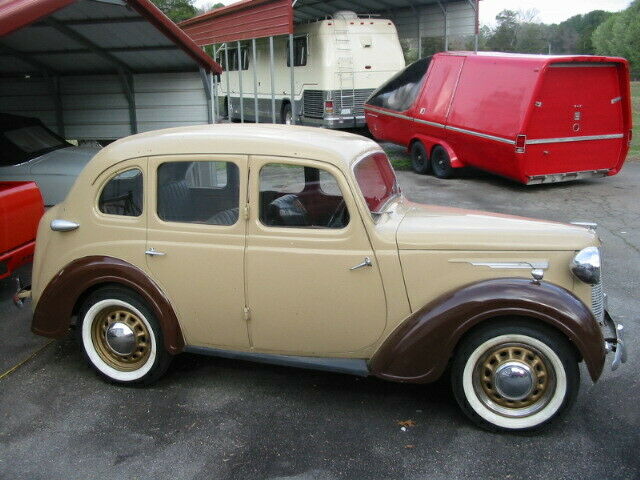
<point>121,338</point>
<point>514,380</point>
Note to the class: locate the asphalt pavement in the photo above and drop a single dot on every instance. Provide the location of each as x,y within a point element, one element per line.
<point>221,419</point>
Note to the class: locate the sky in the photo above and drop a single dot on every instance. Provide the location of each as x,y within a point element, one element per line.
<point>550,11</point>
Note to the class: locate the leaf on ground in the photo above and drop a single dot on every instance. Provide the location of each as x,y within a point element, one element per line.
<point>406,423</point>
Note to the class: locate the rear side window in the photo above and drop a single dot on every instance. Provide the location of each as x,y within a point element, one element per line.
<point>122,195</point>
<point>202,192</point>
<point>401,91</point>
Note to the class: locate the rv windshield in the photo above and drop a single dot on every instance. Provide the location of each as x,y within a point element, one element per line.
<point>376,180</point>
<point>401,91</point>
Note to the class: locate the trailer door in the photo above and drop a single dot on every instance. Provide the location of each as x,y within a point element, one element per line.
<point>435,99</point>
<point>578,119</point>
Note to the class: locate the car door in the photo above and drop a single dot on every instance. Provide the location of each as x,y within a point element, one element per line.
<point>305,292</point>
<point>196,242</point>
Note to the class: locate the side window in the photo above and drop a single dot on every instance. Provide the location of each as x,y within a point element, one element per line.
<point>299,52</point>
<point>122,195</point>
<point>295,196</point>
<point>199,192</point>
<point>401,91</point>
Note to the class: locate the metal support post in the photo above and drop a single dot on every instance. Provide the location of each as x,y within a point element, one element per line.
<point>226,69</point>
<point>273,94</point>
<point>293,80</point>
<point>206,84</point>
<point>240,64</point>
<point>254,62</point>
<point>446,35</point>
<point>54,90</point>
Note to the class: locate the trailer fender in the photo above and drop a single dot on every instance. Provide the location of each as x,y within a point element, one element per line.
<point>430,142</point>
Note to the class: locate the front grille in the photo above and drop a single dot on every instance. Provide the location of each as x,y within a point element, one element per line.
<point>313,101</point>
<point>597,302</point>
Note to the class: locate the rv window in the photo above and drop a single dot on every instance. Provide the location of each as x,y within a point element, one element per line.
<point>299,52</point>
<point>233,59</point>
<point>401,91</point>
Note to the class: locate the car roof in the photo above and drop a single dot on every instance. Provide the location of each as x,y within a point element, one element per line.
<point>336,147</point>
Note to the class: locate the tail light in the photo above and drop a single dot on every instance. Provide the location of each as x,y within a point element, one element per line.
<point>521,143</point>
<point>328,106</point>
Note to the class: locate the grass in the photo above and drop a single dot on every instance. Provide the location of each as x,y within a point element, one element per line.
<point>635,144</point>
<point>399,160</point>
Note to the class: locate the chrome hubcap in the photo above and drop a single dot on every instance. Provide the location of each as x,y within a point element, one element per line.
<point>514,380</point>
<point>121,338</point>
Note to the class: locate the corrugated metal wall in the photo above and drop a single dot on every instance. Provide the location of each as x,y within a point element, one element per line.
<point>461,20</point>
<point>95,107</point>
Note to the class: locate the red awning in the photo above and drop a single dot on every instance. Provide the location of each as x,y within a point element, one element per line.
<point>241,21</point>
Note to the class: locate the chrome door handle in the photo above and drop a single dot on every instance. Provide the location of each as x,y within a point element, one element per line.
<point>152,252</point>
<point>367,263</point>
<point>59,225</point>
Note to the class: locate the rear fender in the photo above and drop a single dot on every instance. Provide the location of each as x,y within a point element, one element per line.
<point>429,142</point>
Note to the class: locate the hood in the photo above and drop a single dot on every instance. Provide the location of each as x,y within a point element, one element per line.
<point>64,161</point>
<point>441,228</point>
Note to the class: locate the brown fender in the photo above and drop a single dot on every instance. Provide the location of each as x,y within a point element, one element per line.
<point>420,348</point>
<point>53,312</point>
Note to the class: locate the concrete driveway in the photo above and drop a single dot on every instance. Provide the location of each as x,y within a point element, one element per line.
<point>217,419</point>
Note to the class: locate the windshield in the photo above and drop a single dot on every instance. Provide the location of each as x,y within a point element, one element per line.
<point>21,144</point>
<point>376,180</point>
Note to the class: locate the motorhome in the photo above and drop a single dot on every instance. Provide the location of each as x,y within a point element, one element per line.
<point>338,63</point>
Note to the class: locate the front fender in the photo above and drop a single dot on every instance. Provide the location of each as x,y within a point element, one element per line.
<point>420,348</point>
<point>52,314</point>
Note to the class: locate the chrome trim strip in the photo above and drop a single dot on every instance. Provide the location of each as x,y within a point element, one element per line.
<point>542,265</point>
<point>481,135</point>
<point>539,141</point>
<point>352,366</point>
<point>391,114</point>
<point>427,122</point>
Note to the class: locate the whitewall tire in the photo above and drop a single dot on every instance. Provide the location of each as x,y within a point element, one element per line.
<point>515,376</point>
<point>121,338</point>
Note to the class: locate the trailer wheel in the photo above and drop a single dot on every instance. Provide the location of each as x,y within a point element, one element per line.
<point>440,163</point>
<point>286,114</point>
<point>420,158</point>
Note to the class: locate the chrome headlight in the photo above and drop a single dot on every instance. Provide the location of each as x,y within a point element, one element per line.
<point>586,265</point>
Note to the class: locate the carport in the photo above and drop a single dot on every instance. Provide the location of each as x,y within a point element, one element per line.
<point>253,19</point>
<point>101,69</point>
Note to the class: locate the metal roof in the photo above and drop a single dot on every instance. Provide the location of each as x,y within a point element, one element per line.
<point>75,37</point>
<point>264,18</point>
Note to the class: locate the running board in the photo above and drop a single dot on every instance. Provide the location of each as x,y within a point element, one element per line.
<point>351,366</point>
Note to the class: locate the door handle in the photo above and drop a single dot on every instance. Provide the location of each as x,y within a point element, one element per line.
<point>59,225</point>
<point>367,263</point>
<point>152,252</point>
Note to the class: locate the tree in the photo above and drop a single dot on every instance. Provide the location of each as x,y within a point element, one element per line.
<point>209,7</point>
<point>177,10</point>
<point>620,35</point>
<point>504,36</point>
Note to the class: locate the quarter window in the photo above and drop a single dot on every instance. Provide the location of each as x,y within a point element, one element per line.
<point>401,91</point>
<point>296,196</point>
<point>199,192</point>
<point>122,195</point>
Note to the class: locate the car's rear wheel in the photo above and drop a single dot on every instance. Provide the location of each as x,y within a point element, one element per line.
<point>420,158</point>
<point>121,337</point>
<point>515,376</point>
<point>441,163</point>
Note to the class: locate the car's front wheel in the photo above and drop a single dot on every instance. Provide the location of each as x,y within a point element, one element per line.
<point>515,376</point>
<point>121,337</point>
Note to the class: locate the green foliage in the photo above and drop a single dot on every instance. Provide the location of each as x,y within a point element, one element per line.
<point>619,35</point>
<point>177,10</point>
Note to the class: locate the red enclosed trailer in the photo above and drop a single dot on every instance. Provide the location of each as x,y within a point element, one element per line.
<point>21,208</point>
<point>531,118</point>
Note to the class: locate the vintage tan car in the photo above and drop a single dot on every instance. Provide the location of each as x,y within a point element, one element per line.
<point>294,246</point>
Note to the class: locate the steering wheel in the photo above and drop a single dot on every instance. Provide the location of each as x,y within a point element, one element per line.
<point>338,219</point>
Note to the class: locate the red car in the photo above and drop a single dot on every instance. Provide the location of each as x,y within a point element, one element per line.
<point>532,118</point>
<point>21,207</point>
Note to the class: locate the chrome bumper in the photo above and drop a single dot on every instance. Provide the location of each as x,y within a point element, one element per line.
<point>613,342</point>
<point>22,295</point>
